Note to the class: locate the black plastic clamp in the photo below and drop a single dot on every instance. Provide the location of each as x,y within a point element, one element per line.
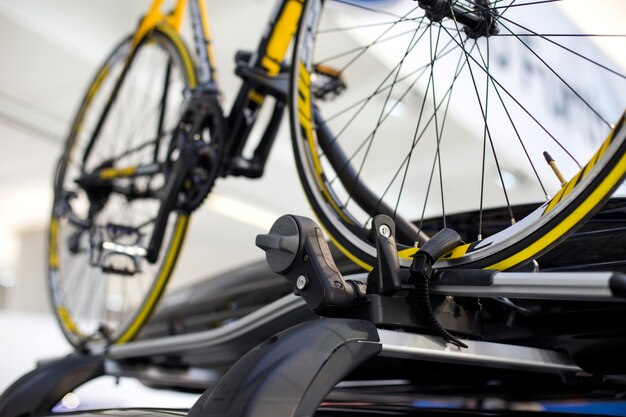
<point>37,392</point>
<point>290,374</point>
<point>296,248</point>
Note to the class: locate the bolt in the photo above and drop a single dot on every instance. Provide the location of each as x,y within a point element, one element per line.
<point>301,282</point>
<point>338,284</point>
<point>384,230</point>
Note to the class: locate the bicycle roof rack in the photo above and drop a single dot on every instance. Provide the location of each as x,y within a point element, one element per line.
<point>209,353</point>
<point>264,323</point>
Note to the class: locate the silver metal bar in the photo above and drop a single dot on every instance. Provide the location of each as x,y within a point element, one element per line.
<point>582,286</point>
<point>284,309</point>
<point>414,346</point>
<point>290,310</point>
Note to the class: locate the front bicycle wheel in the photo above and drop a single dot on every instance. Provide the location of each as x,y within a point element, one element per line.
<point>102,287</point>
<point>422,109</point>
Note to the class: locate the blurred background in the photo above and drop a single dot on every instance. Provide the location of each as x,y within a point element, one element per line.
<point>50,51</point>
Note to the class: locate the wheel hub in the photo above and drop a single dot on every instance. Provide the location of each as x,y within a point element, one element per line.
<point>478,21</point>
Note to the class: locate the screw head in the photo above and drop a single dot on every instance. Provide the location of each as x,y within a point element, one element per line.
<point>301,282</point>
<point>384,230</point>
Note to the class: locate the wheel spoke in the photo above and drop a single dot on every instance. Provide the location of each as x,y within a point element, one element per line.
<point>553,71</point>
<point>364,103</point>
<point>360,50</point>
<point>363,26</point>
<point>381,116</point>
<point>522,107</point>
<point>366,163</point>
<point>514,127</point>
<point>140,111</point>
<point>369,9</point>
<point>420,132</point>
<point>381,89</point>
<point>437,132</point>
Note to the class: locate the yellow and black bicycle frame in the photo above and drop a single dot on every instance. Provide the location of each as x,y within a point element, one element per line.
<point>263,73</point>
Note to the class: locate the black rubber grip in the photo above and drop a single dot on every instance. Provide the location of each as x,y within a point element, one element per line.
<point>473,277</point>
<point>443,242</point>
<point>617,284</point>
<point>428,316</point>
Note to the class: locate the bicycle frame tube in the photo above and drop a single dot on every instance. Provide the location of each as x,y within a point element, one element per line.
<point>203,42</point>
<point>279,35</point>
<point>155,17</point>
<point>267,59</point>
<point>263,68</point>
<point>201,31</point>
<point>266,63</point>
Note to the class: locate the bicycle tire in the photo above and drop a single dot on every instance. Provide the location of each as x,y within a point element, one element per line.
<point>122,311</point>
<point>322,158</point>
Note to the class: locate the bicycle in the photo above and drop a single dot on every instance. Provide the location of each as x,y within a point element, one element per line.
<point>126,185</point>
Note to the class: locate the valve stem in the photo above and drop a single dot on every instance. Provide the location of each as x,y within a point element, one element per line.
<point>555,168</point>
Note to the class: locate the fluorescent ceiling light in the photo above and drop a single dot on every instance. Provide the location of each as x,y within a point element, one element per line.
<point>242,211</point>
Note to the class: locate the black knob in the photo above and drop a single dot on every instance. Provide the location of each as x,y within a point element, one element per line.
<point>296,248</point>
<point>281,244</point>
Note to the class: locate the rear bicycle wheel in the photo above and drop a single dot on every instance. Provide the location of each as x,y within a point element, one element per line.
<point>125,121</point>
<point>424,109</point>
